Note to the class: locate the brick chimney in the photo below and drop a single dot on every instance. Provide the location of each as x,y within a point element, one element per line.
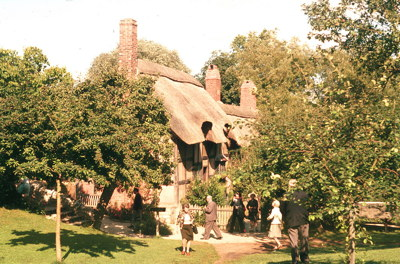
<point>128,47</point>
<point>247,95</point>
<point>213,82</point>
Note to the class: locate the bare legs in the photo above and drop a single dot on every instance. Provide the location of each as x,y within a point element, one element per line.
<point>278,244</point>
<point>185,247</point>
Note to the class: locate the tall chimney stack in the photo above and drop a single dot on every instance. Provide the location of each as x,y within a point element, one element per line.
<point>213,82</point>
<point>247,95</point>
<point>128,61</point>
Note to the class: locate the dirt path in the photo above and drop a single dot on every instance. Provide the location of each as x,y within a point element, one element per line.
<point>234,251</point>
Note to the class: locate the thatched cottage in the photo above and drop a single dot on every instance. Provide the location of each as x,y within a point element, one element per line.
<point>203,128</point>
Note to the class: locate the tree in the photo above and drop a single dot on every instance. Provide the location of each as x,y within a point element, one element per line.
<point>35,121</point>
<point>367,29</point>
<point>152,51</point>
<point>111,130</point>
<point>269,62</point>
<point>146,115</point>
<point>336,122</point>
<point>126,135</point>
<point>363,95</point>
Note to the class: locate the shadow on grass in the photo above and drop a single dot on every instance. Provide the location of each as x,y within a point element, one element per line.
<point>331,262</point>
<point>94,245</point>
<point>181,248</point>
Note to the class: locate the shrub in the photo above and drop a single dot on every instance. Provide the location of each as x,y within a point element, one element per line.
<point>199,190</point>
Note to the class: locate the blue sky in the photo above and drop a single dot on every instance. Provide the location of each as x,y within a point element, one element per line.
<point>73,32</point>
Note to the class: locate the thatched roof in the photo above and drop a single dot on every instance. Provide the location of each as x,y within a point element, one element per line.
<point>235,110</point>
<point>241,130</point>
<point>151,68</point>
<point>192,109</point>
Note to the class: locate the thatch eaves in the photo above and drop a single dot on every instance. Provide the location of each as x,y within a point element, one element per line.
<point>235,110</point>
<point>151,68</point>
<point>191,108</point>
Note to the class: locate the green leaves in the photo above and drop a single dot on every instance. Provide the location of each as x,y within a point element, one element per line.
<point>108,129</point>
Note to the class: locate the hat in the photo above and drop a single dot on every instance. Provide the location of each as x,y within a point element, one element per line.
<point>292,182</point>
<point>252,193</point>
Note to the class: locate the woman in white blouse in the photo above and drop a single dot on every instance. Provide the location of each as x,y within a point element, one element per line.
<point>276,224</point>
<point>185,221</point>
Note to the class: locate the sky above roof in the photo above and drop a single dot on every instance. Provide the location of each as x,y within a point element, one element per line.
<point>72,33</point>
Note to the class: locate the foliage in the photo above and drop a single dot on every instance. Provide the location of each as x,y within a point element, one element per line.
<point>33,97</point>
<point>331,115</point>
<point>152,51</point>
<point>199,190</point>
<point>269,62</point>
<point>124,130</point>
<point>361,93</point>
<point>367,29</point>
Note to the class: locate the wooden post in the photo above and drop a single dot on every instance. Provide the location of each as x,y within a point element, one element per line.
<point>58,223</point>
<point>157,223</point>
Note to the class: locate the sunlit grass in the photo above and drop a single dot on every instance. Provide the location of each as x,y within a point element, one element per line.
<point>29,238</point>
<point>386,250</point>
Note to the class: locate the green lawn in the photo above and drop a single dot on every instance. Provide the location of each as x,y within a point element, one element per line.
<point>386,249</point>
<point>29,238</point>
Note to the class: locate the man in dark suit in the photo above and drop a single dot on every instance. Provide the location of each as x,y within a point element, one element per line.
<point>295,216</point>
<point>211,220</point>
<point>137,208</point>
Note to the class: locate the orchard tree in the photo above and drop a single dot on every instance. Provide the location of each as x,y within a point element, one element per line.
<point>364,95</point>
<point>336,126</point>
<point>37,123</point>
<point>367,29</point>
<point>126,135</point>
<point>112,130</point>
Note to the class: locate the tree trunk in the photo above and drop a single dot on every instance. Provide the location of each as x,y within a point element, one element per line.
<point>58,223</point>
<point>351,235</point>
<point>100,210</point>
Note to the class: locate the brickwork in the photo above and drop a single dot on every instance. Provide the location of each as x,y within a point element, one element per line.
<point>213,82</point>
<point>247,95</point>
<point>128,47</point>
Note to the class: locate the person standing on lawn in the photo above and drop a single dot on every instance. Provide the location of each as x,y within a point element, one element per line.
<point>211,220</point>
<point>252,208</point>
<point>295,216</point>
<point>237,213</point>
<point>276,224</point>
<point>185,221</point>
<point>137,209</point>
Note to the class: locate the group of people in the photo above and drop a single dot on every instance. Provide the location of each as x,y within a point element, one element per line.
<point>291,212</point>
<point>238,213</point>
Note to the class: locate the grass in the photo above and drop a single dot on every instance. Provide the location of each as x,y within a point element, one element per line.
<point>386,250</point>
<point>29,238</point>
